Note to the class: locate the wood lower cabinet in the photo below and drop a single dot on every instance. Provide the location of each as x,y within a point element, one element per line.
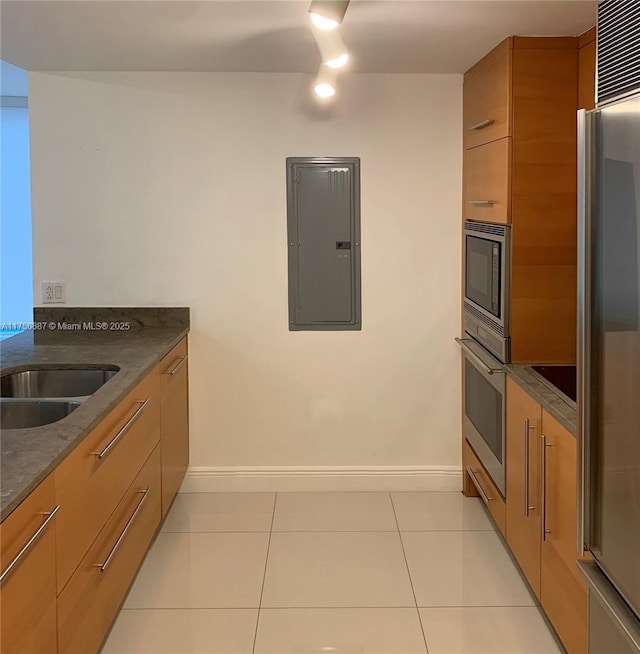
<point>92,479</point>
<point>563,593</point>
<point>94,593</point>
<point>524,421</point>
<point>477,483</point>
<point>174,411</point>
<point>544,541</point>
<point>107,497</point>
<point>28,585</point>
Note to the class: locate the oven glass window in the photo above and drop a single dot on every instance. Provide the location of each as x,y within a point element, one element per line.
<point>483,406</point>
<point>482,284</point>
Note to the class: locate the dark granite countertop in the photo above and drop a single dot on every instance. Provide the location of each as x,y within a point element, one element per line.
<point>555,402</point>
<point>28,455</point>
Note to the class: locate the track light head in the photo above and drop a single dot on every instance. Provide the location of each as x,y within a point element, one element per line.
<point>328,14</point>
<point>325,84</point>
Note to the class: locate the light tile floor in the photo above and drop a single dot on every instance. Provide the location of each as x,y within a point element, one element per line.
<point>349,573</point>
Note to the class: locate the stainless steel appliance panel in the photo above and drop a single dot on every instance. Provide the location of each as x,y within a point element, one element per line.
<point>484,409</point>
<point>611,367</point>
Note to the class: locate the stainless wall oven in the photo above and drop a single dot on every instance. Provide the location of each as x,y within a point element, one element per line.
<point>487,257</point>
<point>484,408</point>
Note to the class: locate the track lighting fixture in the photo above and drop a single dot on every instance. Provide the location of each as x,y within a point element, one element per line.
<point>328,14</point>
<point>332,48</point>
<point>325,85</point>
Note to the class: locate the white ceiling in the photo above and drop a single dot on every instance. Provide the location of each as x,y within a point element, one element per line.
<point>384,36</point>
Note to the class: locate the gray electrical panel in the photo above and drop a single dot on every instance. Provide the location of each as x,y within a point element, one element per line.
<point>323,234</point>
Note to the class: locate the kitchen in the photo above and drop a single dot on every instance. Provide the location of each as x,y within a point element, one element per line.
<point>141,180</point>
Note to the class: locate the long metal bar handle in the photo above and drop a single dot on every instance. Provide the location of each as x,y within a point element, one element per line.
<point>30,543</point>
<point>481,203</point>
<point>482,124</point>
<point>476,483</point>
<point>125,531</point>
<point>181,362</point>
<point>585,123</point>
<point>526,468</point>
<point>543,491</point>
<point>123,431</point>
<point>462,342</point>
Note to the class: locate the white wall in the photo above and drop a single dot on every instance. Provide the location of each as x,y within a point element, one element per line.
<point>169,189</point>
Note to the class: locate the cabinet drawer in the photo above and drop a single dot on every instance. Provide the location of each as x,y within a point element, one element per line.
<point>88,487</point>
<point>487,98</point>
<point>28,587</point>
<point>91,599</point>
<point>476,476</point>
<point>487,182</point>
<point>174,413</point>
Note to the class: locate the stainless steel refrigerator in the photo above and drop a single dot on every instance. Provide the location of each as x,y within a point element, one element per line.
<point>609,371</point>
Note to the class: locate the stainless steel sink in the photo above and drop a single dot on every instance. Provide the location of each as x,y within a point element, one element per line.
<point>25,413</point>
<point>55,382</point>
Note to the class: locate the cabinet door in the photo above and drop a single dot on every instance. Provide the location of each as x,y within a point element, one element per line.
<point>587,76</point>
<point>524,419</point>
<point>28,588</point>
<point>174,415</point>
<point>487,182</point>
<point>487,98</point>
<point>563,593</point>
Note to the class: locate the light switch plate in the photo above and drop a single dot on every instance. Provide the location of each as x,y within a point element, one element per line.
<point>54,292</point>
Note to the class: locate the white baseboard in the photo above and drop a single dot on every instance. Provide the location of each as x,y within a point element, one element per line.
<point>322,478</point>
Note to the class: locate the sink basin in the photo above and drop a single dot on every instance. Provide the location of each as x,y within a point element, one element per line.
<point>24,413</point>
<point>55,382</point>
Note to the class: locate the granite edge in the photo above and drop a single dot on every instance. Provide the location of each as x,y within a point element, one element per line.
<point>553,401</point>
<point>8,506</point>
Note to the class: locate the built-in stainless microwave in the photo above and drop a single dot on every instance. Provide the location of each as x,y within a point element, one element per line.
<point>487,272</point>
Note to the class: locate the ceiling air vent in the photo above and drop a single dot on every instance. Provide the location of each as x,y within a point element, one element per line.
<point>618,49</point>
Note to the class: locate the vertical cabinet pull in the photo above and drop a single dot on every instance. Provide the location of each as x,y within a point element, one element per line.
<point>527,508</point>
<point>543,474</point>
<point>29,544</point>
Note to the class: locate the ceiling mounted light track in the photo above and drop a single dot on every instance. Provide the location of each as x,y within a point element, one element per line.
<point>328,14</point>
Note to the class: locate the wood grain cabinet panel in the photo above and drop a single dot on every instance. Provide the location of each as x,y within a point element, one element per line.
<point>91,599</point>
<point>477,483</point>
<point>563,593</point>
<point>174,413</point>
<point>88,487</point>
<point>587,70</point>
<point>487,182</point>
<point>28,589</point>
<point>524,420</point>
<point>487,98</point>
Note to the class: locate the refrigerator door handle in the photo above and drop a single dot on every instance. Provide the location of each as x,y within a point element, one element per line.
<point>585,141</point>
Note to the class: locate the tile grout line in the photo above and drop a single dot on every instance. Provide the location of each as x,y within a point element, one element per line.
<point>264,576</point>
<point>406,562</point>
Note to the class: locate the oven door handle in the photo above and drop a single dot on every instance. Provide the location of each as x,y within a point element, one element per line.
<point>462,342</point>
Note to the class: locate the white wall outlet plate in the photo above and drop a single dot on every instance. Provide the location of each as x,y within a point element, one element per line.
<point>54,292</point>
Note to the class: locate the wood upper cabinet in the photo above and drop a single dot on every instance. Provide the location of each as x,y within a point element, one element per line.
<point>522,170</point>
<point>524,421</point>
<point>563,593</point>
<point>174,412</point>
<point>28,588</point>
<point>587,70</point>
<point>487,182</point>
<point>487,98</point>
